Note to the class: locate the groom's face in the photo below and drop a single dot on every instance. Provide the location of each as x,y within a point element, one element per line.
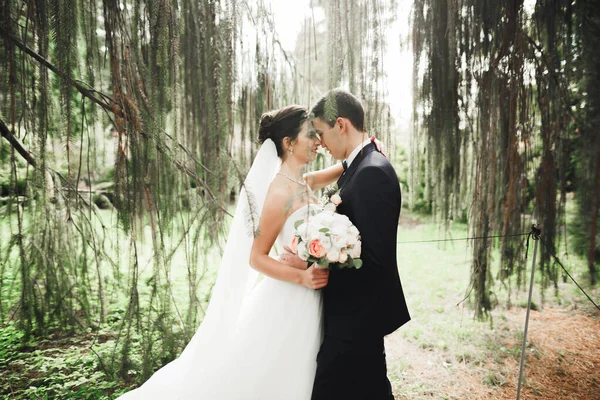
<point>330,137</point>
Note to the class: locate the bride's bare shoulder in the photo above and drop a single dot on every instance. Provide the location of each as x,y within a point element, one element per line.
<point>281,197</point>
<point>277,196</point>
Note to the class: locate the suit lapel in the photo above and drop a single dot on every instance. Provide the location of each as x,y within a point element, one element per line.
<point>354,166</point>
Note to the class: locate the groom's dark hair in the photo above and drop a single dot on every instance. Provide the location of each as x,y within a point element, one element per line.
<point>340,103</point>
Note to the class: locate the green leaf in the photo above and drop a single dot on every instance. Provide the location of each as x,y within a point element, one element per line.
<point>330,108</point>
<point>323,262</point>
<point>358,263</point>
<point>298,223</point>
<point>324,230</point>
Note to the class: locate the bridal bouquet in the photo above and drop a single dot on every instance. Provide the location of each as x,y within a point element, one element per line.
<point>327,238</point>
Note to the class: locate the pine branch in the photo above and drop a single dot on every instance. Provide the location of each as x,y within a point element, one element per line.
<point>330,107</point>
<point>564,95</point>
<point>16,143</point>
<point>89,93</point>
<point>84,91</point>
<point>251,215</point>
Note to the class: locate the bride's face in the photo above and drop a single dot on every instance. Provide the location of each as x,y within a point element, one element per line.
<point>306,144</point>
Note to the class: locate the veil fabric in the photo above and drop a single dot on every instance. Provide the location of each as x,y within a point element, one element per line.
<point>235,278</point>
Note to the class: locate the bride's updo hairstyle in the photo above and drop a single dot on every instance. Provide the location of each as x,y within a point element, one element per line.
<point>279,124</point>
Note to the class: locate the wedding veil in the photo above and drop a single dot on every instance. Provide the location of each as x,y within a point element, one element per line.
<point>235,276</point>
<point>185,375</point>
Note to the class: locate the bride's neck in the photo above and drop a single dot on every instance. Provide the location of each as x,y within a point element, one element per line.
<point>292,167</point>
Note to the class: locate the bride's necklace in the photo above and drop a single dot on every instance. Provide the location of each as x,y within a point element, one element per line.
<point>301,183</point>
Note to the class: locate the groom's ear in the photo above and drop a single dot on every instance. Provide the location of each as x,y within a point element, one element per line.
<point>342,124</point>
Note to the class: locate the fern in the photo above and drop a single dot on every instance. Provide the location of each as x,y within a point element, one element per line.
<point>330,107</point>
<point>250,211</point>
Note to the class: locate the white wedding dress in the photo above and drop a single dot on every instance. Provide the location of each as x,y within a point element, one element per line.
<point>260,337</point>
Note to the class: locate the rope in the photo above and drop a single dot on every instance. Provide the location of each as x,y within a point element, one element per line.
<point>466,238</point>
<point>535,233</point>
<point>569,275</point>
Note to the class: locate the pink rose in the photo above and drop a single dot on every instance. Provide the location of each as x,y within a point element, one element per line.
<point>336,199</point>
<point>316,249</point>
<point>294,245</point>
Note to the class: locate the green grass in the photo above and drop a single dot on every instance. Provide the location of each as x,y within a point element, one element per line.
<point>118,246</point>
<point>83,366</point>
<point>427,356</point>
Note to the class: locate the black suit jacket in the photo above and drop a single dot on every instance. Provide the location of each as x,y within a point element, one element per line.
<point>368,302</point>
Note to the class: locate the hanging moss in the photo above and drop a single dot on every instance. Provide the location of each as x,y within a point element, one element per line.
<point>588,14</point>
<point>487,75</point>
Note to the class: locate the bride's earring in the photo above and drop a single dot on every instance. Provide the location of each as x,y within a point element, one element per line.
<point>291,150</point>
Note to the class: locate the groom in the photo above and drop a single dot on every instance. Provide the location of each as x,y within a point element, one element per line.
<point>360,306</point>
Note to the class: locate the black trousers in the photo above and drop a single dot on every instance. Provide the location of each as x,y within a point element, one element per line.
<point>351,370</point>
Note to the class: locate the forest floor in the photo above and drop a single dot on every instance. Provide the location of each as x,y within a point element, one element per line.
<point>563,361</point>
<point>442,353</point>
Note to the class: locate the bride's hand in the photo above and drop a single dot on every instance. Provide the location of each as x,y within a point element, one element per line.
<point>315,278</point>
<point>378,144</point>
<point>292,260</point>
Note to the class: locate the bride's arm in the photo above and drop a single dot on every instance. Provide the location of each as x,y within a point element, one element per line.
<point>319,179</point>
<point>271,222</point>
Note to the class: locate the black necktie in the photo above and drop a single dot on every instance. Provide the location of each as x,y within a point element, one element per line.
<point>345,165</point>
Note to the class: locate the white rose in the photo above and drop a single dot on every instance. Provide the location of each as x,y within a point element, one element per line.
<point>328,219</point>
<point>351,240</point>
<point>333,255</point>
<point>343,257</point>
<point>329,207</point>
<point>302,230</point>
<point>303,251</point>
<point>342,220</point>
<point>352,230</point>
<point>338,241</point>
<point>325,241</point>
<point>316,219</point>
<point>313,232</point>
<point>356,250</point>
<point>310,230</point>
<point>338,230</point>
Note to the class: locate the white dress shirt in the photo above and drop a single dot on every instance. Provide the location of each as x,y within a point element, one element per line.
<point>355,152</point>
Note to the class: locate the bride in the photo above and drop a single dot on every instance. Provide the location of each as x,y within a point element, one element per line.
<point>259,339</point>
